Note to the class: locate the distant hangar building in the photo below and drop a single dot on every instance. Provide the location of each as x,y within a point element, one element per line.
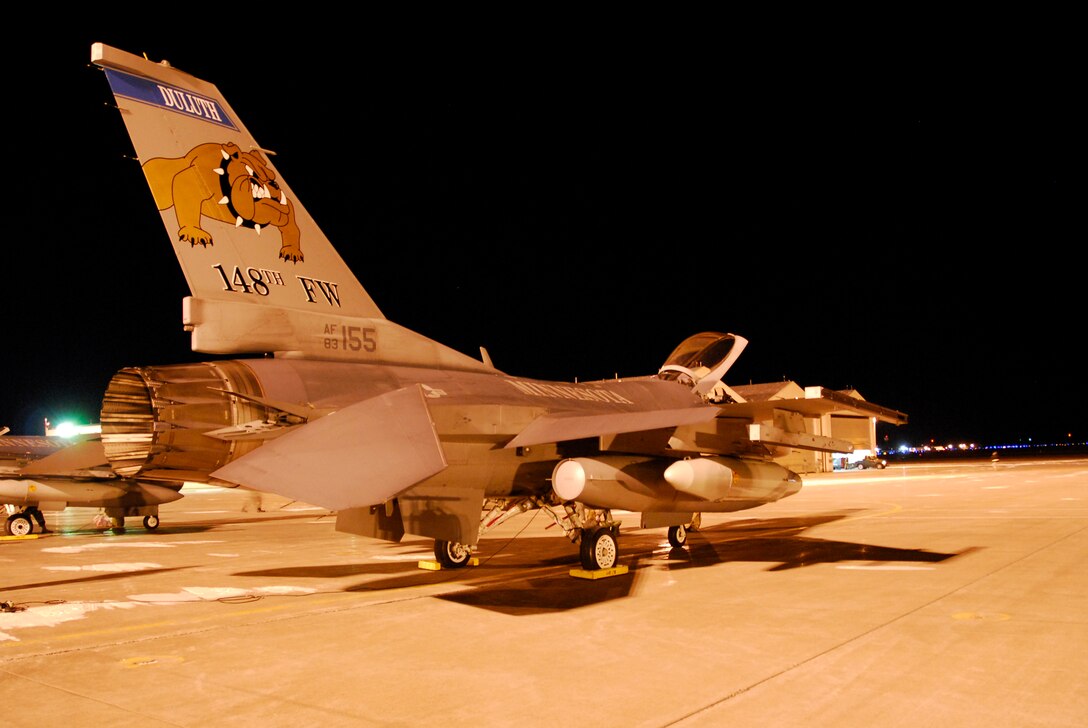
<point>846,425</point>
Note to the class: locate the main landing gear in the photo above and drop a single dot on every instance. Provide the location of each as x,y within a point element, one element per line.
<point>19,524</point>
<point>115,517</point>
<point>594,530</point>
<point>117,523</point>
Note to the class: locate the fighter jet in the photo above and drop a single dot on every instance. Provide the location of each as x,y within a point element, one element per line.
<point>333,404</point>
<point>52,473</point>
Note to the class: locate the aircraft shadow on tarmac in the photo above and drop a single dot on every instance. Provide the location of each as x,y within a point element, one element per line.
<point>4,589</point>
<point>782,543</point>
<point>530,575</point>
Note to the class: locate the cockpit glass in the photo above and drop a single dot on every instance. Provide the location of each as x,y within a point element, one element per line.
<point>707,349</point>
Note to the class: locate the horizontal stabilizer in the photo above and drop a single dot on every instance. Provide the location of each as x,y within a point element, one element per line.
<point>361,455</point>
<point>557,428</point>
<point>84,455</point>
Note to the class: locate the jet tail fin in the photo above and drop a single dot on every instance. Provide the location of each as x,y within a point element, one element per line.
<point>263,276</point>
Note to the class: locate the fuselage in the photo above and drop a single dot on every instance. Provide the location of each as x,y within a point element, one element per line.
<point>155,420</point>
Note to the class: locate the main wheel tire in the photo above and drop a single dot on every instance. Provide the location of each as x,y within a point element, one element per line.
<point>451,554</point>
<point>678,536</point>
<point>599,550</point>
<point>117,525</point>
<point>18,524</point>
<point>151,522</point>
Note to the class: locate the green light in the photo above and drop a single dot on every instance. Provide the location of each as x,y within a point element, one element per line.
<point>66,430</point>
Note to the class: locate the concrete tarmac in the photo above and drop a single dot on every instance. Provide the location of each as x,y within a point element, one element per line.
<point>936,594</point>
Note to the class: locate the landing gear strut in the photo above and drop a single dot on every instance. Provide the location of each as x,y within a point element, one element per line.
<point>593,529</point>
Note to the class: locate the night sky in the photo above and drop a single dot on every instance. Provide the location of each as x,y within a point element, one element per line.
<point>912,228</point>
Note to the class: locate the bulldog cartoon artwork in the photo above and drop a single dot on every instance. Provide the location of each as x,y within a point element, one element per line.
<point>222,182</point>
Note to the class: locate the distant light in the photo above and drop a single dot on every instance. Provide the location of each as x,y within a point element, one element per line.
<point>66,429</point>
<point>71,429</point>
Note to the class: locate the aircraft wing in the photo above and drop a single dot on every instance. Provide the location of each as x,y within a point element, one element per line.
<point>817,401</point>
<point>732,428</point>
<point>749,428</point>
<point>557,427</point>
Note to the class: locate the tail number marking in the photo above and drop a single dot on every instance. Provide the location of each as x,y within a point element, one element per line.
<point>351,338</point>
<point>254,280</point>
